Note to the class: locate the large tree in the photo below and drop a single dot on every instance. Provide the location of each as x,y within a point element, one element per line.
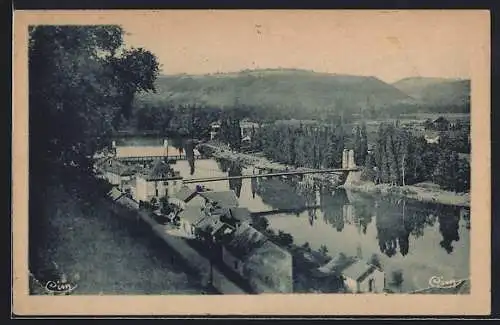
<point>81,82</point>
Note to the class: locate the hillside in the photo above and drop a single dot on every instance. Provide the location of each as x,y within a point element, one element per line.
<point>304,94</point>
<point>436,91</point>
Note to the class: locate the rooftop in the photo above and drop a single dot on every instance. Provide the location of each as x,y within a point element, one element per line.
<point>113,166</point>
<point>244,241</point>
<point>185,193</point>
<point>192,214</point>
<point>223,198</point>
<point>240,213</point>
<point>358,270</point>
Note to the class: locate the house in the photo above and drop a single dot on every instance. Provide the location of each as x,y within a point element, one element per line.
<point>225,199</point>
<point>360,277</point>
<point>214,228</point>
<point>188,218</point>
<point>115,172</point>
<point>121,198</point>
<point>266,266</point>
<point>158,181</point>
<point>187,196</point>
<point>237,216</point>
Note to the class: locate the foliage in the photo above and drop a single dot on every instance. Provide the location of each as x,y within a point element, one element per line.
<point>402,158</point>
<point>81,82</point>
<point>323,250</point>
<point>397,278</point>
<point>375,261</point>
<point>312,145</point>
<point>260,223</point>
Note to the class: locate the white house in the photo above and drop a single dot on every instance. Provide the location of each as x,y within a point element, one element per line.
<point>159,181</point>
<point>361,277</point>
<point>185,197</point>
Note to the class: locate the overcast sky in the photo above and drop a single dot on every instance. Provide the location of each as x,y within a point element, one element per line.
<point>388,45</point>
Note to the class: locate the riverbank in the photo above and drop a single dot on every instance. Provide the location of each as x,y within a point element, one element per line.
<point>415,192</point>
<point>420,193</point>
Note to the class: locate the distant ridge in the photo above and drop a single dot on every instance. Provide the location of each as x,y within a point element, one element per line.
<point>301,93</point>
<point>436,91</point>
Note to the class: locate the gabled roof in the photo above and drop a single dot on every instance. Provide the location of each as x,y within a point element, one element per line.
<point>240,213</point>
<point>358,270</point>
<point>226,199</point>
<point>185,194</point>
<point>244,241</point>
<point>115,193</point>
<point>113,166</point>
<point>192,214</point>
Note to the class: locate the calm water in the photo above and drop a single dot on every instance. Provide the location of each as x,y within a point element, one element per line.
<point>420,239</point>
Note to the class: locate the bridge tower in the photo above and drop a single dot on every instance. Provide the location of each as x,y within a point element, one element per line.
<point>348,159</point>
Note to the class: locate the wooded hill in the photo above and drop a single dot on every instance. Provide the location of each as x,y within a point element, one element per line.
<point>279,93</point>
<point>436,91</point>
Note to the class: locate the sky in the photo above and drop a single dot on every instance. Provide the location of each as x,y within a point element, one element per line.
<point>390,45</point>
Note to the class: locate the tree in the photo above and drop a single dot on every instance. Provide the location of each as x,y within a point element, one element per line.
<point>397,278</point>
<point>375,261</point>
<point>323,250</point>
<point>81,81</point>
<point>284,238</point>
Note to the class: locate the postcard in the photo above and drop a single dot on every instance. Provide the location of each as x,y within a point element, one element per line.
<point>251,162</point>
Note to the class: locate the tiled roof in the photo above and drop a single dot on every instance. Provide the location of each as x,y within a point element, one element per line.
<point>245,240</point>
<point>226,199</point>
<point>191,214</point>
<point>113,166</point>
<point>240,213</point>
<point>115,193</point>
<point>185,193</point>
<point>358,270</point>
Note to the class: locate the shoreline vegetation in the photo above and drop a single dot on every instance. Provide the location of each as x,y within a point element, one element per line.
<point>425,192</point>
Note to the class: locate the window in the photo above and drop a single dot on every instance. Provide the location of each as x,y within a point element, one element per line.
<point>156,190</point>
<point>165,183</point>
<point>370,285</point>
<point>235,264</point>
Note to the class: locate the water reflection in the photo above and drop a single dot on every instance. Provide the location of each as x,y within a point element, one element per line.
<point>396,220</point>
<point>410,238</point>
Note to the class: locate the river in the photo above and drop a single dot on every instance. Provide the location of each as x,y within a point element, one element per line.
<point>421,240</point>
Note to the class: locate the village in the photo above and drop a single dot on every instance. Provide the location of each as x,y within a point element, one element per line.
<point>215,226</point>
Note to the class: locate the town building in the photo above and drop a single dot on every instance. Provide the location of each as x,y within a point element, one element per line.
<point>115,172</point>
<point>222,199</point>
<point>188,219</point>
<point>361,277</point>
<point>158,181</point>
<point>266,266</point>
<point>186,196</point>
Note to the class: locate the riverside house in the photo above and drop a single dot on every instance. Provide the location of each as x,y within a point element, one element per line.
<point>117,173</point>
<point>266,266</point>
<point>188,219</point>
<point>221,199</point>
<point>360,277</point>
<point>185,197</point>
<point>157,181</point>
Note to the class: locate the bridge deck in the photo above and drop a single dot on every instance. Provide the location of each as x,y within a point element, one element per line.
<point>223,178</point>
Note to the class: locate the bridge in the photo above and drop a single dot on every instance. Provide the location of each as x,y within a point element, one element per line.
<point>287,173</point>
<point>278,211</point>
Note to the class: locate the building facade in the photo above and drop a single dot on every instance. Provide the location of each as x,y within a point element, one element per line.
<point>159,181</point>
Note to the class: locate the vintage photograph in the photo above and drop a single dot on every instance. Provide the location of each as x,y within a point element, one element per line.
<point>253,152</point>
